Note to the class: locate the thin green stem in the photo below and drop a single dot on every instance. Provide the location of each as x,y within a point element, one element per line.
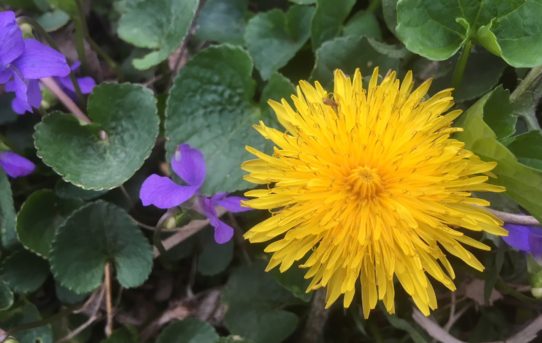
<point>529,87</point>
<point>461,64</point>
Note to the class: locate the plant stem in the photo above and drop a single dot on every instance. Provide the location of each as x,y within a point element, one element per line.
<point>65,99</point>
<point>108,300</point>
<point>530,86</point>
<point>461,64</point>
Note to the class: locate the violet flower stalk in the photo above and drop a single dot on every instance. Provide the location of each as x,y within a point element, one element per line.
<point>23,62</point>
<point>189,164</point>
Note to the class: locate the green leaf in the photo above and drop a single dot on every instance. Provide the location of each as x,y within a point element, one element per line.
<point>389,12</point>
<point>294,281</point>
<point>328,19</point>
<point>499,113</point>
<point>188,331</point>
<point>222,21</point>
<point>277,88</point>
<point>39,217</point>
<point>349,53</point>
<point>516,34</point>
<point>429,28</point>
<point>210,107</point>
<point>522,183</point>
<point>127,114</point>
<point>253,296</point>
<point>438,29</point>
<point>261,325</point>
<point>482,74</point>
<point>303,2</point>
<point>27,313</point>
<point>66,190</point>
<point>92,236</point>
<point>7,213</point>
<point>274,37</point>
<point>528,149</point>
<point>404,325</point>
<point>68,6</point>
<point>163,31</point>
<point>6,296</point>
<point>66,296</point>
<point>363,23</point>
<point>24,272</point>
<point>53,20</point>
<point>214,258</point>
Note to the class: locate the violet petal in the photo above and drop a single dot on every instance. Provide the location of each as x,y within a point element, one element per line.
<point>40,61</point>
<point>162,192</point>
<point>11,38</point>
<point>230,203</point>
<point>16,165</point>
<point>518,236</point>
<point>189,164</point>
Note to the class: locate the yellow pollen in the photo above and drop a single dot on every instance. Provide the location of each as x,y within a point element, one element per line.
<point>365,182</point>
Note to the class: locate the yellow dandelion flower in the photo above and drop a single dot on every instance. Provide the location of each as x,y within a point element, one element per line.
<point>367,185</point>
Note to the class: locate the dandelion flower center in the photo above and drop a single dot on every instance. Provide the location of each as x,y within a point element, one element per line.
<point>368,190</point>
<point>365,182</point>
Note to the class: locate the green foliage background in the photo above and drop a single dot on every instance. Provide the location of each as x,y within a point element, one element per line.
<point>201,72</point>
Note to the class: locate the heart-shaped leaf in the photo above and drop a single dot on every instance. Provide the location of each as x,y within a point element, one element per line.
<point>507,28</point>
<point>274,37</point>
<point>92,236</point>
<point>210,107</point>
<point>222,21</point>
<point>328,20</point>
<point>126,113</point>
<point>24,271</point>
<point>39,217</point>
<point>190,331</point>
<point>160,25</point>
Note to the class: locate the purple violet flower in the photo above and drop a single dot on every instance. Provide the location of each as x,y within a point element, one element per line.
<point>188,163</point>
<point>15,165</point>
<point>524,238</point>
<point>23,61</point>
<point>86,84</point>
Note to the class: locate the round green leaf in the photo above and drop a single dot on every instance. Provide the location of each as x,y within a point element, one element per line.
<point>261,325</point>
<point>214,258</point>
<point>188,331</point>
<point>93,235</point>
<point>274,37</point>
<point>429,28</point>
<point>66,190</point>
<point>6,296</point>
<point>163,31</point>
<point>328,20</point>
<point>438,29</point>
<point>7,213</point>
<point>222,21</point>
<point>363,23</point>
<point>24,271</point>
<point>210,107</point>
<point>349,53</point>
<point>53,20</point>
<point>24,314</point>
<point>39,217</point>
<point>518,32</point>
<point>128,115</point>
